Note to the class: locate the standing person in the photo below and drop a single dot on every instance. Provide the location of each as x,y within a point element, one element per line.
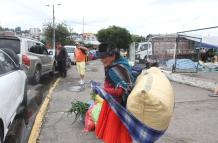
<point>203,54</point>
<point>61,57</point>
<point>80,56</point>
<point>118,83</point>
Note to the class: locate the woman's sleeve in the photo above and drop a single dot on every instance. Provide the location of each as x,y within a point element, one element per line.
<point>116,80</point>
<point>117,92</point>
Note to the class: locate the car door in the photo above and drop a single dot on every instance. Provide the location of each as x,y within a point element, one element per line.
<point>47,59</point>
<point>11,84</point>
<point>36,50</point>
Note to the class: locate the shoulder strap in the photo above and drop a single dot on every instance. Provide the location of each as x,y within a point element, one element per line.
<point>123,74</point>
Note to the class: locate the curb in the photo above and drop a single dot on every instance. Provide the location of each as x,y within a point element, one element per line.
<point>193,81</point>
<point>40,115</point>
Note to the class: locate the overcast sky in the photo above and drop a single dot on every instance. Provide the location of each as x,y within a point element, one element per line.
<point>138,16</point>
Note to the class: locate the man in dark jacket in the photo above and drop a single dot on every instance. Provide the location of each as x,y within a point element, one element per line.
<point>61,57</point>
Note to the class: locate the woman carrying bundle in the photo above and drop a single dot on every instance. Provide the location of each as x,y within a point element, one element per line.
<point>118,83</point>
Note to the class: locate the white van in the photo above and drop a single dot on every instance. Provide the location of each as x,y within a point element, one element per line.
<point>70,50</point>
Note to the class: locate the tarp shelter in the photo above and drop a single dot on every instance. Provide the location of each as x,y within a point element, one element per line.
<point>205,45</point>
<point>210,42</point>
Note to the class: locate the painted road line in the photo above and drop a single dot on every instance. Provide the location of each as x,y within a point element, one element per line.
<point>40,115</point>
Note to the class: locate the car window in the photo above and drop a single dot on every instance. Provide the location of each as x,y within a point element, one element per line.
<point>13,44</point>
<point>32,47</point>
<point>144,47</point>
<point>6,64</point>
<point>44,50</point>
<point>36,48</point>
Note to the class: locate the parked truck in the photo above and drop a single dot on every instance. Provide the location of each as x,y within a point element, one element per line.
<point>143,51</point>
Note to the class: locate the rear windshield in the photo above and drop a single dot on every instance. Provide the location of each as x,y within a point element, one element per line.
<point>70,49</point>
<point>13,44</point>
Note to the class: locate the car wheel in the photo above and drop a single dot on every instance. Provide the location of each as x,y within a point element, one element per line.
<point>37,75</point>
<point>1,135</point>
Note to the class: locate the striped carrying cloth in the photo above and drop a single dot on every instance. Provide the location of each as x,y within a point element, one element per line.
<point>139,132</point>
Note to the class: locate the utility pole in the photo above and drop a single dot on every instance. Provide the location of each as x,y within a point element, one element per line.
<point>83,25</point>
<point>53,34</point>
<point>53,25</point>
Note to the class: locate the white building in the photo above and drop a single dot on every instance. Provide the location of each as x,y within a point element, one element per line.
<point>35,32</point>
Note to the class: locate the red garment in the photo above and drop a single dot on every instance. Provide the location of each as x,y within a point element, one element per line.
<point>109,128</point>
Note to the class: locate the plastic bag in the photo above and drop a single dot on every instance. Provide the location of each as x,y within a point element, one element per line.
<point>89,123</point>
<point>98,99</point>
<point>95,112</point>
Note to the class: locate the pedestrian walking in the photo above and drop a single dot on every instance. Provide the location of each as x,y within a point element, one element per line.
<point>203,54</point>
<point>80,56</point>
<point>61,57</point>
<point>118,82</point>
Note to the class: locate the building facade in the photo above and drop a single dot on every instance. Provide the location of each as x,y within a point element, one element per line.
<point>164,46</point>
<point>35,32</point>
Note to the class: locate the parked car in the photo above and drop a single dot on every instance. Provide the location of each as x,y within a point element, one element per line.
<point>52,54</point>
<point>70,50</point>
<point>13,91</point>
<point>32,54</point>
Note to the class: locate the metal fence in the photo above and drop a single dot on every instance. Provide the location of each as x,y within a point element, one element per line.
<point>180,52</point>
<point>204,48</point>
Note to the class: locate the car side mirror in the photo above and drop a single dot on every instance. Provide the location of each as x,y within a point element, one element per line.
<point>50,53</point>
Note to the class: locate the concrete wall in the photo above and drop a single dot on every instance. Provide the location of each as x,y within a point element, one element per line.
<point>164,47</point>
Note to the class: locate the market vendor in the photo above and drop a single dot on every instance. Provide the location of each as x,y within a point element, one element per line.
<point>118,81</point>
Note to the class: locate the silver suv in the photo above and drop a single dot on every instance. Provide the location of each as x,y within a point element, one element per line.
<point>32,54</point>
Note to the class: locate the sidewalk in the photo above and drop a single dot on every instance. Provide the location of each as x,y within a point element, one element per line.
<point>194,110</point>
<point>202,80</point>
<point>57,126</point>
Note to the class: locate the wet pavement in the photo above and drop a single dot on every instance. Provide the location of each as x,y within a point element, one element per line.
<point>194,119</point>
<point>57,125</point>
<point>22,125</point>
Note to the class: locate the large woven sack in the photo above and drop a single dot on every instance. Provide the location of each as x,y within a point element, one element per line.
<point>152,100</point>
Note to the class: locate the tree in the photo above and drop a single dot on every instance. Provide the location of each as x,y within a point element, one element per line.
<point>18,29</point>
<point>120,37</point>
<point>61,33</point>
<point>6,29</point>
<point>137,38</point>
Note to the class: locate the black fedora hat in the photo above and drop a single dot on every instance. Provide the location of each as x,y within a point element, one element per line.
<point>106,49</point>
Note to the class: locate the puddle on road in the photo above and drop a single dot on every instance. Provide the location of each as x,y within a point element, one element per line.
<point>73,86</point>
<point>76,88</point>
<point>22,125</point>
<point>92,69</point>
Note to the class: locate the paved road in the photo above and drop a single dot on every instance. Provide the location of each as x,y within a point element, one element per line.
<point>195,117</point>
<point>194,120</point>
